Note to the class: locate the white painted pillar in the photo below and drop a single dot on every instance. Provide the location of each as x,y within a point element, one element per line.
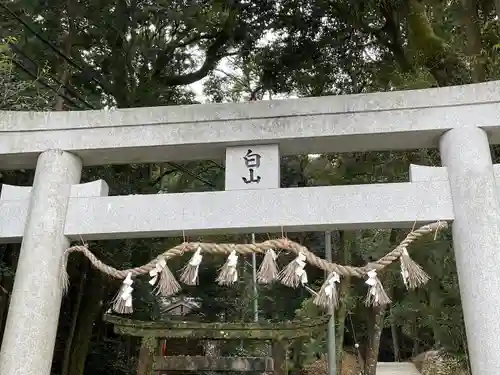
<point>30,332</point>
<point>476,239</point>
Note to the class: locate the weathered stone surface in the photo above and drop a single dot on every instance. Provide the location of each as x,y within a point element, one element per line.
<point>396,205</point>
<point>376,121</point>
<point>146,355</point>
<point>218,331</point>
<point>15,200</point>
<point>252,167</point>
<point>279,351</point>
<point>36,295</point>
<point>466,154</point>
<point>201,363</point>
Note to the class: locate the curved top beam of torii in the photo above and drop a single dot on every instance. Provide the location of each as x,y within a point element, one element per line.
<point>379,121</point>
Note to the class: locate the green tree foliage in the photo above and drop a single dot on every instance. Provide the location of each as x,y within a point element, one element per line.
<point>139,53</point>
<point>18,93</point>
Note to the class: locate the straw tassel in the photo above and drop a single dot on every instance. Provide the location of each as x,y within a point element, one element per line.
<point>294,274</point>
<point>268,270</point>
<point>413,275</point>
<point>166,284</point>
<point>376,294</point>
<point>189,274</point>
<point>122,303</point>
<point>63,274</point>
<point>327,295</point>
<point>228,274</point>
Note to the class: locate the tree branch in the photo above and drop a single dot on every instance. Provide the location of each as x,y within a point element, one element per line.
<point>432,51</point>
<point>214,53</point>
<point>388,36</point>
<point>166,53</point>
<point>472,26</point>
<point>395,43</point>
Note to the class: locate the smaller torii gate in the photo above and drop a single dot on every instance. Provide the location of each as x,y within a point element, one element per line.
<point>279,334</point>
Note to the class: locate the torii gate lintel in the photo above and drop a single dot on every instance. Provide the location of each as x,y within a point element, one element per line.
<point>398,120</point>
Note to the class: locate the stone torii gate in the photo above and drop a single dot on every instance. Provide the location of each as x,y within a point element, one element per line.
<point>462,121</point>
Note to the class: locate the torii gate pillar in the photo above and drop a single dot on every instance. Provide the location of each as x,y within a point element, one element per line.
<point>36,295</point>
<point>476,240</point>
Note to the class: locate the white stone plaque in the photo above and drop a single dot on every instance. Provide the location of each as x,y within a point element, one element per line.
<point>252,167</point>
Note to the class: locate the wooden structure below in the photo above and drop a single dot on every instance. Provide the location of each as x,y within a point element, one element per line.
<point>279,334</point>
<point>203,363</point>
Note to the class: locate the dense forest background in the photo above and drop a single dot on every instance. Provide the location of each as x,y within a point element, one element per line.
<point>80,54</point>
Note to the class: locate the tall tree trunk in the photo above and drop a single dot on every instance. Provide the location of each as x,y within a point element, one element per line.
<point>472,26</point>
<point>416,348</point>
<point>63,72</point>
<point>74,320</point>
<point>344,252</point>
<point>434,302</point>
<point>374,333</point>
<point>340,317</point>
<point>10,258</point>
<point>416,340</point>
<point>376,324</point>
<point>395,342</point>
<point>89,310</point>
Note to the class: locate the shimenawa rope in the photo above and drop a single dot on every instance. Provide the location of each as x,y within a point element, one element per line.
<point>292,275</point>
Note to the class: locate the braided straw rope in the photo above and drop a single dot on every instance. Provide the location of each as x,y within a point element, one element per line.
<point>245,249</point>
